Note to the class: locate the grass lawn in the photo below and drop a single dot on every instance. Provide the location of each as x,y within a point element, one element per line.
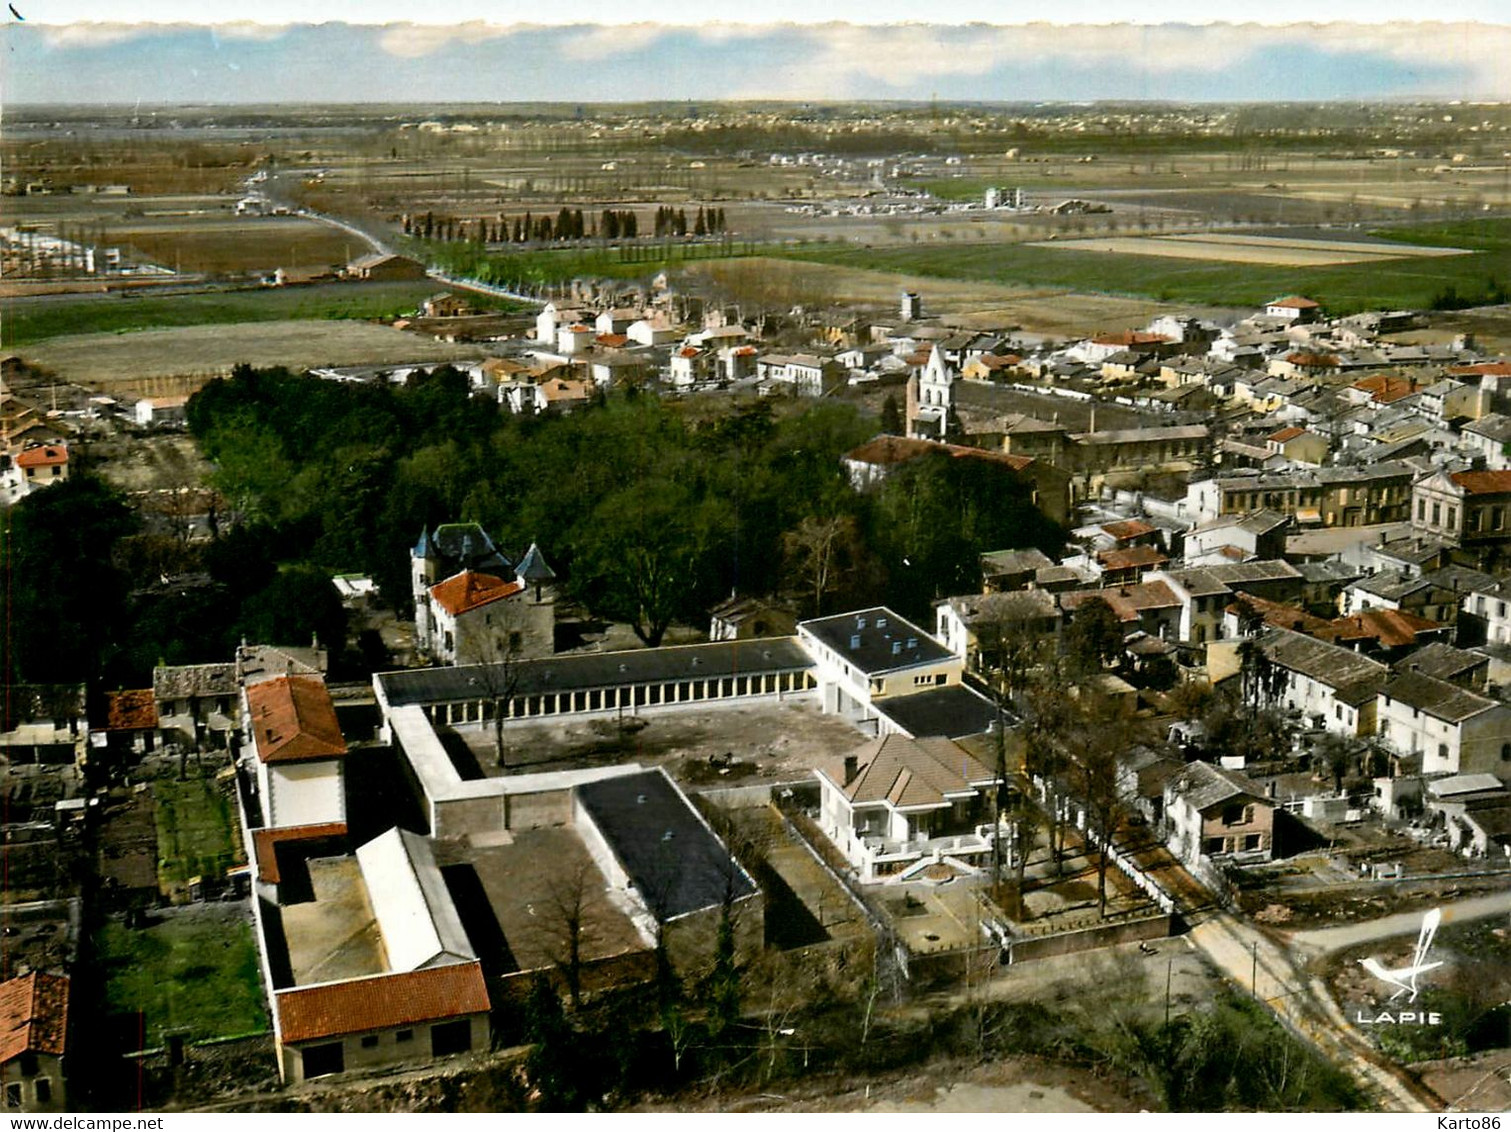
<point>35,321</point>
<point>196,831</point>
<point>195,971</point>
<point>1342,289</point>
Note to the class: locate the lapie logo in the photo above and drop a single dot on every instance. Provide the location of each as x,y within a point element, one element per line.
<point>1405,979</point>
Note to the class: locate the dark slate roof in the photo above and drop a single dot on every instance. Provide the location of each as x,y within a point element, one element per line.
<point>532,567</point>
<point>1331,570</point>
<point>998,562</point>
<point>671,857</point>
<point>1442,661</point>
<point>1352,677</point>
<point>953,711</point>
<point>180,681</point>
<point>601,670</point>
<point>466,546</point>
<point>1202,786</point>
<point>1437,698</point>
<point>876,640</point>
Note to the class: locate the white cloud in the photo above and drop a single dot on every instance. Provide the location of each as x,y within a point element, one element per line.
<point>906,54</point>
<point>607,42</point>
<point>83,37</point>
<point>246,29</point>
<point>412,41</point>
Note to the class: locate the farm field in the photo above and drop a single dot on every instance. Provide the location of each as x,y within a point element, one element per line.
<point>1409,281</point>
<point>26,322</point>
<point>963,301</point>
<point>1269,251</point>
<point>180,360</point>
<point>237,247</point>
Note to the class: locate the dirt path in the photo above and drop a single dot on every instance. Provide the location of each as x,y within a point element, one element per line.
<point>1253,960</point>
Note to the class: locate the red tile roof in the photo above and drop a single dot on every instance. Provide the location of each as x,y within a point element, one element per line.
<point>1128,528</point>
<point>1480,369</point>
<point>1131,557</point>
<point>1281,616</point>
<point>1126,601</point>
<point>43,456</point>
<point>1287,434</point>
<point>357,1006</point>
<point>1130,338</point>
<point>1483,483</point>
<point>33,1015</point>
<point>612,340</point>
<point>266,842</point>
<point>130,711</point>
<point>292,718</point>
<point>470,590</point>
<point>1386,387</point>
<point>1312,361</point>
<point>1293,302</point>
<point>901,449</point>
<point>1391,627</point>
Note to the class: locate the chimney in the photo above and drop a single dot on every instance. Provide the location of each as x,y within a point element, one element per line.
<point>851,766</point>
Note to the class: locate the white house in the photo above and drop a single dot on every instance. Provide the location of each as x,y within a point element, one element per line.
<point>1292,308</point>
<point>1451,729</point>
<point>1216,812</point>
<point>292,731</point>
<point>160,412</point>
<point>574,338</point>
<point>808,374</point>
<point>908,803</point>
<point>657,330</point>
<point>1329,685</point>
<point>1492,606</point>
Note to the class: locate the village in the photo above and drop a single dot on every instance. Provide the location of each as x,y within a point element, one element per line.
<point>1262,679</point>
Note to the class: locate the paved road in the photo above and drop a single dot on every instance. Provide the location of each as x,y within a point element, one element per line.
<point>1253,960</point>
<point>1320,941</point>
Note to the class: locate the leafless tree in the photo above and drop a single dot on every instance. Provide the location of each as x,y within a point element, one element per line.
<point>820,552</point>
<point>499,655</point>
<point>570,924</point>
<point>1102,736</point>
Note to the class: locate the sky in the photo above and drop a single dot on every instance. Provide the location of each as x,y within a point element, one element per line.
<point>591,51</point>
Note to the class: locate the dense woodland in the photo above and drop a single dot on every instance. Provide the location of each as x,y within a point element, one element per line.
<point>651,511</point>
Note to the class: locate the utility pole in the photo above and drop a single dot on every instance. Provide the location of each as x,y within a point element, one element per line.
<point>1169,968</point>
<point>1254,969</point>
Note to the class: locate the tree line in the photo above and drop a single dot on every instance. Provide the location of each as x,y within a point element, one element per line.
<point>567,224</point>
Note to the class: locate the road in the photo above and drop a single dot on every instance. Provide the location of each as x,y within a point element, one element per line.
<point>1252,959</point>
<point>1321,941</point>
<point>1276,971</point>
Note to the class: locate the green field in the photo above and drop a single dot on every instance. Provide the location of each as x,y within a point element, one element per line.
<point>196,831</point>
<point>193,972</point>
<point>1342,289</point>
<point>541,267</point>
<point>24,323</point>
